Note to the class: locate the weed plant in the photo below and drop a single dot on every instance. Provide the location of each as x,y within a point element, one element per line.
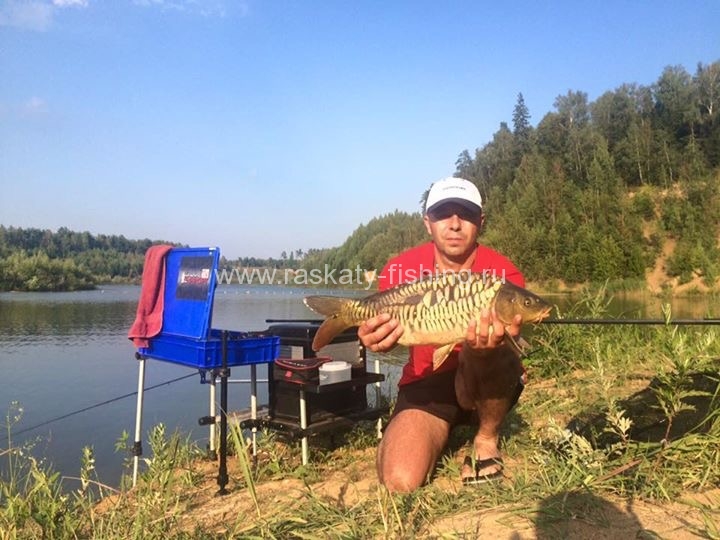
<point>615,412</point>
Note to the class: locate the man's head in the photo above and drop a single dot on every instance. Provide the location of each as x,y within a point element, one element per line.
<point>457,190</point>
<point>453,217</point>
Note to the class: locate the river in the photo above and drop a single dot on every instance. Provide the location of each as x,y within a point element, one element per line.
<point>67,363</point>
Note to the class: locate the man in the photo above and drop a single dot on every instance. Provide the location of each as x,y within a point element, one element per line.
<point>427,405</point>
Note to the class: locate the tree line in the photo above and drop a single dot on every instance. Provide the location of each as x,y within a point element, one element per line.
<point>592,192</point>
<point>370,245</point>
<point>42,260</point>
<point>34,259</point>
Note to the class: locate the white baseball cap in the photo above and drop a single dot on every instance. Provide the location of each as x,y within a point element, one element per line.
<point>457,190</point>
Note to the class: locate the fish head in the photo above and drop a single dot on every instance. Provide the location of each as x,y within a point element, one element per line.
<point>511,300</point>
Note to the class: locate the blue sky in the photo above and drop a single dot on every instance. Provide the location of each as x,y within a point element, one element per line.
<point>263,126</point>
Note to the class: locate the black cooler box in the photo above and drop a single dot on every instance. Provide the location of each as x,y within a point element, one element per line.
<point>296,343</point>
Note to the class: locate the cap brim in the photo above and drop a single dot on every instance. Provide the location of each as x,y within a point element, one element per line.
<point>462,202</point>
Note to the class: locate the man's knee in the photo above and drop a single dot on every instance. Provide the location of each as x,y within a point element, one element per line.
<point>407,453</point>
<point>401,480</point>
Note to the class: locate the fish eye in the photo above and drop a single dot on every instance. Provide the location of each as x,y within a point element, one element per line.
<point>528,302</point>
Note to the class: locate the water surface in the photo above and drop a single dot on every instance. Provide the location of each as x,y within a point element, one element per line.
<point>65,352</point>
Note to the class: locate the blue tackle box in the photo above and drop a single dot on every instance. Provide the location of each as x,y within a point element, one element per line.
<point>186,337</point>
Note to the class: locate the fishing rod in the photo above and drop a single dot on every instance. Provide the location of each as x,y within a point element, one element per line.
<point>95,406</point>
<point>663,322</point>
<point>637,322</point>
<point>312,321</point>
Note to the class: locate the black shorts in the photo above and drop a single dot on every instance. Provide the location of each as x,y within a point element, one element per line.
<point>435,394</point>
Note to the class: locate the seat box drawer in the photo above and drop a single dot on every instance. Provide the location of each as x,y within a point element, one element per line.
<point>285,402</point>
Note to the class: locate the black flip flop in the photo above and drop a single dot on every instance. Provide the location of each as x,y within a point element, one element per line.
<point>481,464</point>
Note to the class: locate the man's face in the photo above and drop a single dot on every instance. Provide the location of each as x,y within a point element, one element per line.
<point>454,229</point>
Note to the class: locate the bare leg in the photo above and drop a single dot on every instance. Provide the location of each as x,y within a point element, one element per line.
<point>488,382</point>
<point>409,449</point>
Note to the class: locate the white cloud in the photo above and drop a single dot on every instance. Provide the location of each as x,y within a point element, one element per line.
<point>70,3</point>
<point>33,15</point>
<point>33,108</point>
<point>34,105</point>
<point>37,15</point>
<point>26,15</point>
<point>205,8</point>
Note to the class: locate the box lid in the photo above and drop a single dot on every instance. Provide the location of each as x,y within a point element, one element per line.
<point>190,280</point>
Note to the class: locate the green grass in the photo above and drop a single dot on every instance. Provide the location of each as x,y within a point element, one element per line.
<point>610,412</point>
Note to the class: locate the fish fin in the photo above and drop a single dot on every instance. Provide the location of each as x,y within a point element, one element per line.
<point>331,307</point>
<point>519,345</point>
<point>440,355</point>
<point>331,327</point>
<point>325,305</point>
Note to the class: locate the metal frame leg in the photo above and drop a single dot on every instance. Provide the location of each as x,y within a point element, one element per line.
<point>222,478</point>
<point>377,398</point>
<point>253,406</point>
<point>213,415</point>
<point>303,426</point>
<point>137,446</point>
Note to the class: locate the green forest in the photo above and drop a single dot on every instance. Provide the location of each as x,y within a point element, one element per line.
<point>596,191</point>
<point>42,260</point>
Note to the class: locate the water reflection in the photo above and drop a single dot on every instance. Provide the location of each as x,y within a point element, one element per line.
<point>58,322</point>
<point>61,353</point>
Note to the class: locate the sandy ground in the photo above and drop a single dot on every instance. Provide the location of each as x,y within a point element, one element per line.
<point>568,515</point>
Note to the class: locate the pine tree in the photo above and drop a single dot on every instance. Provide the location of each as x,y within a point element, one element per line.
<point>522,130</point>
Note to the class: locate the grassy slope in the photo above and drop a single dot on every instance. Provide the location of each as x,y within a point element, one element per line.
<point>618,434</point>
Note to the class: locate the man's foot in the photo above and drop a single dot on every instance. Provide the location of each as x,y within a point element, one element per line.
<point>485,470</point>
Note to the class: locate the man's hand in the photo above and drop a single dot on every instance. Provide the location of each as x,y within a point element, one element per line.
<point>380,333</point>
<point>489,332</point>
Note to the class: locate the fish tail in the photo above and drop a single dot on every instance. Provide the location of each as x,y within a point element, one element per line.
<point>335,323</point>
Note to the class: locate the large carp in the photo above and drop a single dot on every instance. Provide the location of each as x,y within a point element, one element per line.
<point>436,310</point>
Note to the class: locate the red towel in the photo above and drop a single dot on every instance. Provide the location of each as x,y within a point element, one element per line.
<point>149,318</point>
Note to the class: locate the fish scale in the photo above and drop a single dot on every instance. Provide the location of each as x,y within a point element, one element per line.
<point>435,310</point>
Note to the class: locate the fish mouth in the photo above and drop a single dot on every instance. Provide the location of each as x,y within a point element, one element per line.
<point>542,315</point>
